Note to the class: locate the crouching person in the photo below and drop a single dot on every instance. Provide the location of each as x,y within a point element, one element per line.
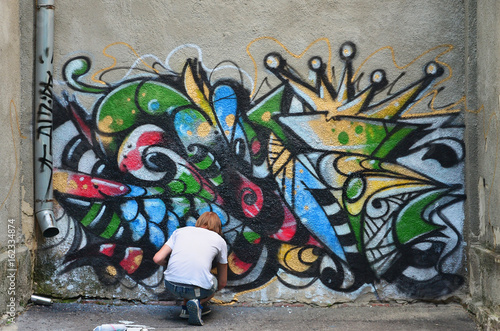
<point>190,252</point>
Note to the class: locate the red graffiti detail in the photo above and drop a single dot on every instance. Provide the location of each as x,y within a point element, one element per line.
<point>255,147</point>
<point>87,186</point>
<point>132,259</point>
<point>107,249</point>
<point>150,138</point>
<point>314,242</point>
<point>82,126</point>
<point>238,266</point>
<point>289,227</point>
<point>132,161</point>
<point>251,198</point>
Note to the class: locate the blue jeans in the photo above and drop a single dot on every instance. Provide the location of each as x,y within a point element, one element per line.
<point>185,291</point>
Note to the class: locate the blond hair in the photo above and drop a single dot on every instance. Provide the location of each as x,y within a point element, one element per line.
<point>211,221</point>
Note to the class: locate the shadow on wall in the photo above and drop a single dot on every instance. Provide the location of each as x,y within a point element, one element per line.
<point>342,184</point>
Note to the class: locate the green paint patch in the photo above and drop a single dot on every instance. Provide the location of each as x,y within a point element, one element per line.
<point>191,184</point>
<point>396,136</point>
<point>358,129</point>
<point>410,222</point>
<point>354,188</point>
<point>355,222</point>
<point>176,186</point>
<point>112,227</point>
<point>205,163</point>
<point>251,237</point>
<point>118,111</point>
<point>343,138</point>
<point>263,112</point>
<point>91,215</point>
<point>207,195</point>
<point>217,180</point>
<point>157,98</point>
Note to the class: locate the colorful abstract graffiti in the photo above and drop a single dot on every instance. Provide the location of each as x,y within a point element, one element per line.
<point>329,183</point>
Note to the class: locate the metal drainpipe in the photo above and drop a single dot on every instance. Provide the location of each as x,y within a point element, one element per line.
<point>43,117</point>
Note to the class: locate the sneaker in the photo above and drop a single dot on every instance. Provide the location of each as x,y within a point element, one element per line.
<point>205,310</point>
<point>184,312</point>
<point>194,310</point>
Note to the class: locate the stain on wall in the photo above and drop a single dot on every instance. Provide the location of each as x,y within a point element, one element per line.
<point>323,175</point>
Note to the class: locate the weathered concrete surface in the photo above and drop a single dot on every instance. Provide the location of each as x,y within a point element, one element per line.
<point>485,286</point>
<point>15,258</point>
<point>484,229</point>
<point>413,317</point>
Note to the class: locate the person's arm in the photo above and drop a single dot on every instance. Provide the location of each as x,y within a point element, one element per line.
<point>160,257</point>
<point>221,275</point>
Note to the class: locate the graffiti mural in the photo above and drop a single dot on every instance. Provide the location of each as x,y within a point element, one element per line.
<point>331,179</point>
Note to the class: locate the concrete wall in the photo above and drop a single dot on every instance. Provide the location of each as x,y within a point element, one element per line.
<point>15,235</point>
<point>484,258</point>
<point>333,185</point>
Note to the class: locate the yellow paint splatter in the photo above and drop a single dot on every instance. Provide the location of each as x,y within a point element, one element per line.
<point>59,181</point>
<point>72,185</point>
<point>119,121</point>
<point>230,120</point>
<point>306,207</point>
<point>111,270</point>
<point>137,261</point>
<point>189,132</point>
<point>266,117</point>
<point>329,132</point>
<point>204,129</point>
<point>84,186</point>
<point>105,123</point>
<point>106,140</point>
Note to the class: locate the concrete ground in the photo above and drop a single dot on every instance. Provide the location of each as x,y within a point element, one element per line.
<point>86,316</point>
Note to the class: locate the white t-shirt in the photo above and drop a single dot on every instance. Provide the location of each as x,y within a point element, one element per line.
<point>193,250</point>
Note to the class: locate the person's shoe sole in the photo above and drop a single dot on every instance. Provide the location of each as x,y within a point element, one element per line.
<point>194,313</point>
<point>184,314</point>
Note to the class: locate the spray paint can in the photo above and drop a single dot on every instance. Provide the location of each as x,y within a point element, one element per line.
<point>41,300</point>
<point>111,327</point>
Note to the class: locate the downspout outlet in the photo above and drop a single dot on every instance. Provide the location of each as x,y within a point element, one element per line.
<point>47,223</point>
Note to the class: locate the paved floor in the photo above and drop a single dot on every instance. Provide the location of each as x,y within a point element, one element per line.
<point>78,316</point>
